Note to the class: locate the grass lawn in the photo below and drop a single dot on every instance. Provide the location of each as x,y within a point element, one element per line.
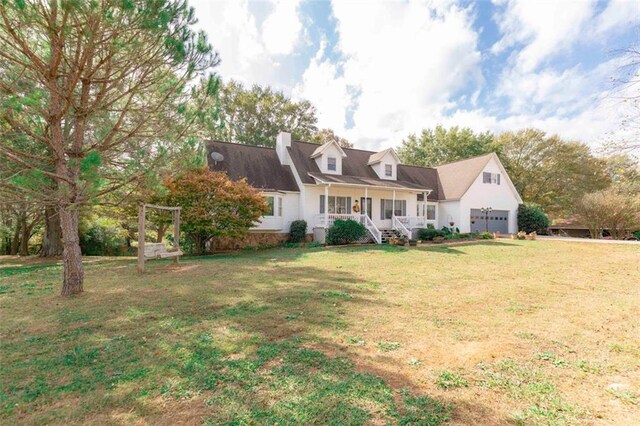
<point>499,332</point>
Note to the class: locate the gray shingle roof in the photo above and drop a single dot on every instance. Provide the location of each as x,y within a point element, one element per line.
<point>259,165</point>
<point>355,169</point>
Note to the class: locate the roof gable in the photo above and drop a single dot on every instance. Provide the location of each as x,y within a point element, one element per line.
<point>379,156</point>
<point>325,147</point>
<point>456,178</point>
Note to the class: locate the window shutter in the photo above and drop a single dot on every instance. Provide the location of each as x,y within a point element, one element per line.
<point>321,204</point>
<point>381,209</point>
<point>404,207</point>
<point>348,205</point>
<point>498,179</point>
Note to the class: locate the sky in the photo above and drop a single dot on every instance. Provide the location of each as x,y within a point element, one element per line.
<point>378,71</point>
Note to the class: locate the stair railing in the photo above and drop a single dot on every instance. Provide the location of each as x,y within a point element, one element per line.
<point>399,226</point>
<point>372,228</point>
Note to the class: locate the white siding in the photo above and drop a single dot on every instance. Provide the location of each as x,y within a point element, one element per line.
<point>379,167</point>
<point>290,212</point>
<point>312,201</point>
<point>498,197</point>
<point>323,160</point>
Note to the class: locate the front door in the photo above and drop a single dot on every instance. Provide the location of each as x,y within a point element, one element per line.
<point>368,206</point>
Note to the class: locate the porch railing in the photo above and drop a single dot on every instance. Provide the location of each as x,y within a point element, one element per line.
<point>397,224</point>
<point>327,220</point>
<point>372,228</point>
<point>412,222</point>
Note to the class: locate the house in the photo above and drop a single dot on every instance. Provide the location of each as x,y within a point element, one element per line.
<point>322,183</point>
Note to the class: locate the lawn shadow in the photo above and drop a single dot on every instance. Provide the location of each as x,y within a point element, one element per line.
<point>240,330</point>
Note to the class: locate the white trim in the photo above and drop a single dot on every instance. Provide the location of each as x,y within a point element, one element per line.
<point>322,148</point>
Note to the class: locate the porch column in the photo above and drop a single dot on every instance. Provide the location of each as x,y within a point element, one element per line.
<point>326,206</point>
<point>366,196</point>
<point>424,208</point>
<point>393,204</point>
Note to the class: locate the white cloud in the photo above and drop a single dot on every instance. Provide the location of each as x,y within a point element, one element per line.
<point>545,29</point>
<point>327,90</point>
<point>281,29</point>
<point>617,16</point>
<point>247,54</point>
<point>405,60</point>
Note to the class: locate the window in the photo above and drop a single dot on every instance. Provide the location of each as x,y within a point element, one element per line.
<point>270,202</point>
<point>275,206</point>
<point>388,209</point>
<point>331,164</point>
<point>431,212</point>
<point>421,196</point>
<point>388,170</point>
<point>491,178</point>
<point>337,205</point>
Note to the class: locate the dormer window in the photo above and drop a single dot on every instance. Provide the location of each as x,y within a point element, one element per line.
<point>331,164</point>
<point>388,170</point>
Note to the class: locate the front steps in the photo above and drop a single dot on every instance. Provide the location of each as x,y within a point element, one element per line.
<point>389,233</point>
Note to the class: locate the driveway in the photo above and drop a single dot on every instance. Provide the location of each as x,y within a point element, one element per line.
<point>587,240</point>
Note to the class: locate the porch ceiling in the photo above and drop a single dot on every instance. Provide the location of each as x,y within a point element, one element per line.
<point>363,181</point>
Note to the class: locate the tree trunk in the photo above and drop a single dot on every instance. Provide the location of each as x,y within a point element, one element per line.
<point>71,254</point>
<point>161,229</point>
<point>52,239</point>
<point>24,240</point>
<point>15,241</point>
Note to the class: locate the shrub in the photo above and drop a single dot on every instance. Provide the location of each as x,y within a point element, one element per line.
<point>532,219</point>
<point>104,237</point>
<point>637,235</point>
<point>446,230</point>
<point>486,236</point>
<point>298,231</point>
<point>345,232</point>
<point>428,234</point>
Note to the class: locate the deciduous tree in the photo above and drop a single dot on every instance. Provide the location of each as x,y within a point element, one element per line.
<point>256,115</point>
<point>213,205</point>
<point>434,147</point>
<point>550,172</point>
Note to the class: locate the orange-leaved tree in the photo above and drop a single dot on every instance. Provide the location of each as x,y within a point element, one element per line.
<point>213,205</point>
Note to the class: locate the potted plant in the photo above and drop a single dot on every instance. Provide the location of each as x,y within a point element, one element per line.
<point>413,243</point>
<point>393,240</point>
<point>402,241</point>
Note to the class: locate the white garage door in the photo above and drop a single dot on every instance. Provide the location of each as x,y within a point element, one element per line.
<point>498,221</point>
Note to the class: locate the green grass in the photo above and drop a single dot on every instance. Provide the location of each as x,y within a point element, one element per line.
<point>486,333</point>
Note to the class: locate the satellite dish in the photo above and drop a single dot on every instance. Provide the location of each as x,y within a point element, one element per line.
<point>217,157</point>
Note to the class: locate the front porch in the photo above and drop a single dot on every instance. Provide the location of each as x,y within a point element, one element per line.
<point>400,225</point>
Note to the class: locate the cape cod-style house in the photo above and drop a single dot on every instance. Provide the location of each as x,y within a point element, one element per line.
<point>322,183</point>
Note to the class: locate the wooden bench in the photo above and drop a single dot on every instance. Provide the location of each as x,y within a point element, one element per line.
<point>159,251</point>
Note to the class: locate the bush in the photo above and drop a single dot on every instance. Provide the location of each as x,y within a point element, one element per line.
<point>104,237</point>
<point>298,231</point>
<point>532,219</point>
<point>428,234</point>
<point>345,232</point>
<point>637,235</point>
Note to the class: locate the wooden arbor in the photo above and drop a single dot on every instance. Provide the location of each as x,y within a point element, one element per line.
<point>157,250</point>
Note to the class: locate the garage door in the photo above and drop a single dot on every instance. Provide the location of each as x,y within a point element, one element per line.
<point>498,221</point>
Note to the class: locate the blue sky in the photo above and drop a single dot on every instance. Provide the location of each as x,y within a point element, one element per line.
<point>378,71</point>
